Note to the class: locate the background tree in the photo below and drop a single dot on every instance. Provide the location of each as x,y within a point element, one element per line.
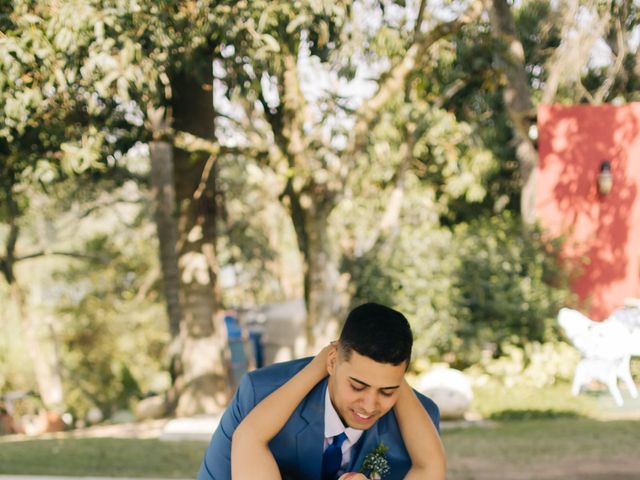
<point>397,137</point>
<point>315,144</point>
<point>107,83</point>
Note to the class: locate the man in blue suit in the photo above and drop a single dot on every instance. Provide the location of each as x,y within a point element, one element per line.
<point>353,406</point>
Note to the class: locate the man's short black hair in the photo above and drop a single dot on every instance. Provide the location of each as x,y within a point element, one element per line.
<point>378,332</point>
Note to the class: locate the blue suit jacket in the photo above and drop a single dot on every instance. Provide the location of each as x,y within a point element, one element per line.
<point>298,447</point>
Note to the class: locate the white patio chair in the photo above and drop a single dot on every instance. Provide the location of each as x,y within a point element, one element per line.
<point>606,349</point>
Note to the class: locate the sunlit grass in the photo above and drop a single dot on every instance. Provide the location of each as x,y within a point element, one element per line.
<point>562,448</point>
<point>102,457</point>
<point>498,401</point>
<point>495,401</point>
<point>541,448</point>
<point>528,433</point>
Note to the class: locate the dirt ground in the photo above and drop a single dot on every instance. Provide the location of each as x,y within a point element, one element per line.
<point>621,469</point>
<point>146,429</point>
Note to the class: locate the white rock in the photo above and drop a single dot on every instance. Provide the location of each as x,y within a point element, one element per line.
<point>151,407</point>
<point>450,389</point>
<point>123,416</point>
<point>191,428</point>
<point>94,415</point>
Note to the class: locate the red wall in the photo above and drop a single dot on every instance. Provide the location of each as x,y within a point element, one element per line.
<point>603,232</point>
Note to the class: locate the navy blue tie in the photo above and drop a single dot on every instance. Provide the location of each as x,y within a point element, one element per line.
<point>332,457</point>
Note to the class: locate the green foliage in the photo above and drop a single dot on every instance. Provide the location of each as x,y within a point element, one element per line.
<point>413,268</point>
<point>64,88</point>
<point>539,32</point>
<point>463,82</point>
<point>260,35</point>
<point>255,236</point>
<point>536,365</point>
<point>483,288</point>
<point>29,403</point>
<point>375,464</point>
<point>113,329</point>
<point>77,79</point>
<point>510,287</point>
<point>417,278</point>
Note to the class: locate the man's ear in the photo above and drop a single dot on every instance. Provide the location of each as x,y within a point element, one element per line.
<point>332,360</point>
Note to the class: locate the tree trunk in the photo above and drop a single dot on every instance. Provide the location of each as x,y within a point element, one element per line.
<point>203,383</point>
<point>164,200</point>
<point>324,291</point>
<point>164,197</point>
<point>517,98</point>
<point>44,366</point>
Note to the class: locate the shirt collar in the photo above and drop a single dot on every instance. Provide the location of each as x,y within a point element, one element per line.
<point>333,425</point>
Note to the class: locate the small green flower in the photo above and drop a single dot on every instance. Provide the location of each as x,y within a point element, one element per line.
<point>375,464</point>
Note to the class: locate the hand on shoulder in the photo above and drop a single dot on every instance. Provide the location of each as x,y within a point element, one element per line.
<point>319,362</point>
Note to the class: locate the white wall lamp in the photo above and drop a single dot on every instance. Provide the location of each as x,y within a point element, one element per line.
<point>605,178</point>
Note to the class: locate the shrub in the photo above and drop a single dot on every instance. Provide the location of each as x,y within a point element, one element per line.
<point>112,338</point>
<point>476,290</point>
<point>537,365</point>
<point>417,279</point>
<point>509,287</point>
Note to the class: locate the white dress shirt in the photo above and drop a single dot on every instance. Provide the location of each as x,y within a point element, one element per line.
<point>333,426</point>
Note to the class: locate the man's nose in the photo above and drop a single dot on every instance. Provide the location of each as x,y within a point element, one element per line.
<point>369,402</point>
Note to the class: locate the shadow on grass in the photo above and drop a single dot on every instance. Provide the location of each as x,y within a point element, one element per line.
<point>533,414</point>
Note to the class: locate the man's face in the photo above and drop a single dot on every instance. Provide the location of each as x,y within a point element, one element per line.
<point>361,389</point>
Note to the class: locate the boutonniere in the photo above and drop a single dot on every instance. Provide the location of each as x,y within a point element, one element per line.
<point>375,464</point>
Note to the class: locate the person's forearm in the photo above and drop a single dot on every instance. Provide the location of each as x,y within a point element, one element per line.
<point>420,437</point>
<point>270,415</point>
<point>250,442</point>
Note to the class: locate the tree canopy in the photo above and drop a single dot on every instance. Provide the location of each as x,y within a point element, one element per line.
<point>334,150</point>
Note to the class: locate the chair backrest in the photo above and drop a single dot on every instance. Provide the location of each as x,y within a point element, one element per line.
<point>630,318</point>
<point>608,340</point>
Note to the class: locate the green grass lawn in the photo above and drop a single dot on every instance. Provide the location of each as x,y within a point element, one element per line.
<point>535,449</point>
<point>497,401</point>
<point>102,457</point>
<point>561,448</point>
<point>529,434</point>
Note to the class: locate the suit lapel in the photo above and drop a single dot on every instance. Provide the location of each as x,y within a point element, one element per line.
<point>310,439</point>
<point>370,439</point>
